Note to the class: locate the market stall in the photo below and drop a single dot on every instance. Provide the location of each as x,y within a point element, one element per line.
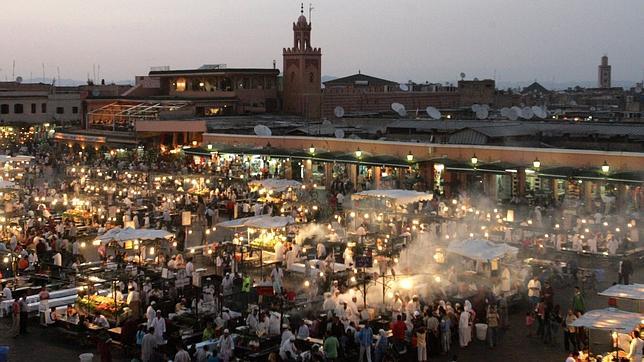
<point>631,292</point>
<point>617,322</point>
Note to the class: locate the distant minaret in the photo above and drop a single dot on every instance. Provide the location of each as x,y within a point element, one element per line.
<point>603,73</point>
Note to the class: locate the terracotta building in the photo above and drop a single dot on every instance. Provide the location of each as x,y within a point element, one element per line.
<point>302,73</point>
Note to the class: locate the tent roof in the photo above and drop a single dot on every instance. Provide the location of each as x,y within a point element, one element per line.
<point>276,184</point>
<point>482,250</point>
<point>402,197</point>
<point>609,319</point>
<point>631,291</point>
<point>260,222</point>
<point>119,234</point>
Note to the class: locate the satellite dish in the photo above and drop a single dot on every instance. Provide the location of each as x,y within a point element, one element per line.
<point>433,113</point>
<point>326,122</point>
<point>485,106</point>
<point>527,113</point>
<point>399,108</point>
<point>476,107</point>
<point>261,130</point>
<point>403,87</point>
<point>482,113</point>
<point>513,113</point>
<point>505,112</point>
<point>18,79</point>
<point>539,112</point>
<point>339,133</point>
<point>96,93</point>
<point>339,112</point>
<point>462,75</point>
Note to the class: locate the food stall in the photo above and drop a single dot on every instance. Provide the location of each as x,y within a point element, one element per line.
<point>617,322</point>
<point>483,264</point>
<point>130,239</point>
<point>634,293</point>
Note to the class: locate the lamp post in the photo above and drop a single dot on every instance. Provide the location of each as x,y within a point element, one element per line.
<point>410,157</point>
<point>605,168</point>
<point>536,164</point>
<point>312,150</point>
<point>474,160</point>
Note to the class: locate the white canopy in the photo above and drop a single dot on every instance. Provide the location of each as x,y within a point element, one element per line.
<point>120,235</point>
<point>275,184</point>
<point>609,319</point>
<point>631,291</point>
<point>482,250</point>
<point>260,222</point>
<point>7,184</point>
<point>400,197</point>
<point>17,158</point>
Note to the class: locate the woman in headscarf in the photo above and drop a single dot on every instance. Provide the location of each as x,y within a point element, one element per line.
<point>464,327</point>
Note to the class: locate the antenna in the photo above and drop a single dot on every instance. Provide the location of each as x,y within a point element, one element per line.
<point>43,71</point>
<point>311,8</point>
<point>58,73</point>
<point>13,70</point>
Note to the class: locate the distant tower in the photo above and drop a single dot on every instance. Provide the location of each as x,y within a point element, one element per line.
<point>302,73</point>
<point>603,73</point>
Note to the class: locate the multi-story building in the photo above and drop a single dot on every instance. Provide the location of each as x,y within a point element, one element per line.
<point>361,94</point>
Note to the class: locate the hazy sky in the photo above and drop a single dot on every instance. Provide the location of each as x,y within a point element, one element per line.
<point>421,40</point>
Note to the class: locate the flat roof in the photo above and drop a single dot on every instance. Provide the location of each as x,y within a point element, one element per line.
<point>162,73</point>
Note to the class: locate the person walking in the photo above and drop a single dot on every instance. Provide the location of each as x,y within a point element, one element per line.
<point>365,337</point>
<point>331,347</point>
<point>570,332</point>
<point>24,314</point>
<point>625,271</point>
<point>15,315</point>
<point>492,326</point>
<point>578,303</point>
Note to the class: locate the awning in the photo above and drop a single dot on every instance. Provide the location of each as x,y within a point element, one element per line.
<point>275,184</point>
<point>609,319</point>
<point>631,291</point>
<point>400,197</point>
<point>482,250</point>
<point>259,222</point>
<point>121,235</point>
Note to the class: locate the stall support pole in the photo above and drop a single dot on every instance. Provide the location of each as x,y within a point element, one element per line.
<point>364,285</point>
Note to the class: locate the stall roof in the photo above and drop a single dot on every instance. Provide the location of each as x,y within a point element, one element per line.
<point>120,235</point>
<point>631,291</point>
<point>276,184</point>
<point>609,319</point>
<point>482,250</point>
<point>260,222</point>
<point>401,197</point>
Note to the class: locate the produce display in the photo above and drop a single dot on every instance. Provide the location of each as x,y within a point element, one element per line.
<point>101,304</point>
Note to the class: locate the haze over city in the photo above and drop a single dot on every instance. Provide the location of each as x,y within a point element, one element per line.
<point>511,41</point>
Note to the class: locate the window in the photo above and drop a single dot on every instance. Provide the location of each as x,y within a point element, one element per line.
<point>18,108</point>
<point>75,110</point>
<point>180,85</point>
<point>311,77</point>
<point>60,110</point>
<point>33,108</point>
<point>4,109</point>
<point>43,108</point>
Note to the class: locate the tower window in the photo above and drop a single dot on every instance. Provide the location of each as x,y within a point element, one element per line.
<point>18,108</point>
<point>311,77</point>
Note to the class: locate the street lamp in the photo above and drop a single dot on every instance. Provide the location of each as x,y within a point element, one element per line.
<point>536,163</point>
<point>410,157</point>
<point>605,167</point>
<point>358,153</point>
<point>312,150</point>
<point>474,160</point>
